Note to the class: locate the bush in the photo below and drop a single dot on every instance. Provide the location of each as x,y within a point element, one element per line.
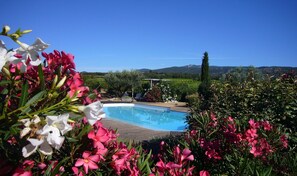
<point>272,100</point>
<point>193,99</point>
<point>183,87</point>
<point>223,145</point>
<point>154,95</point>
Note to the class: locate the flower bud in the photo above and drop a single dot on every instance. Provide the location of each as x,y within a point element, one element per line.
<point>70,121</point>
<point>60,84</point>
<point>6,71</point>
<point>55,82</point>
<point>26,31</point>
<point>73,109</point>
<point>5,30</point>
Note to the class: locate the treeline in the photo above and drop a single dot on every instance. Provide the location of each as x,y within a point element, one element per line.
<point>216,72</point>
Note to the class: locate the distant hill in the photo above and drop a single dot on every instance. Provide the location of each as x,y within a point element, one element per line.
<point>218,70</point>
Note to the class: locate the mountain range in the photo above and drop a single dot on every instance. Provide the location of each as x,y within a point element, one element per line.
<point>219,70</point>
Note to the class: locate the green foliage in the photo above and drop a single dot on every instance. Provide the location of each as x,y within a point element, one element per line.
<point>242,74</point>
<point>205,77</point>
<point>183,87</point>
<point>120,82</point>
<point>94,81</point>
<point>154,95</point>
<point>273,100</point>
<point>203,88</point>
<point>193,99</point>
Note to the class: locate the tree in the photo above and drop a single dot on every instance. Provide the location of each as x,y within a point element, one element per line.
<point>120,82</point>
<point>205,78</point>
<point>204,87</point>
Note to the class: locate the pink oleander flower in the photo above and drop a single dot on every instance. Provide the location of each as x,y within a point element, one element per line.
<point>254,124</point>
<point>76,85</point>
<point>77,172</point>
<point>284,141</point>
<point>125,159</point>
<point>88,161</point>
<point>214,121</point>
<point>99,137</point>
<point>22,172</point>
<point>204,173</point>
<point>251,135</point>
<point>41,166</point>
<point>12,140</point>
<point>162,168</point>
<point>266,125</point>
<point>230,119</point>
<point>202,142</point>
<point>185,155</point>
<point>212,153</point>
<point>256,151</point>
<point>57,59</point>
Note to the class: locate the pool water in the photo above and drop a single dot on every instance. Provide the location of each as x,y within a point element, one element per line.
<point>150,117</point>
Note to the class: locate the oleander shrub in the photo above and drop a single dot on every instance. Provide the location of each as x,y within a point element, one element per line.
<point>270,99</point>
<point>228,146</point>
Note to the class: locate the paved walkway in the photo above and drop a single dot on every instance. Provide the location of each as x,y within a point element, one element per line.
<point>137,134</point>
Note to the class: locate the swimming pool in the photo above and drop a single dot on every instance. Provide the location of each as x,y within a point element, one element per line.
<point>150,117</point>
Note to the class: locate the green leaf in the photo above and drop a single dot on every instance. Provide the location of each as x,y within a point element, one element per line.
<point>84,131</point>
<point>24,95</point>
<point>268,171</point>
<point>145,162</point>
<point>4,82</point>
<point>35,98</point>
<point>71,139</point>
<point>48,170</point>
<point>57,168</point>
<point>41,77</point>
<point>148,169</point>
<point>4,91</point>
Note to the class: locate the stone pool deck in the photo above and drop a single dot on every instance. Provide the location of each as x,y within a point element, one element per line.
<point>138,134</point>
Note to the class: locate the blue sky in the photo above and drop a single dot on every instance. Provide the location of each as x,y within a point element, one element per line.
<point>133,34</point>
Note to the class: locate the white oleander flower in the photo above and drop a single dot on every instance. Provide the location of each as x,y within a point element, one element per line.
<point>93,111</point>
<point>53,136</point>
<point>32,51</point>
<point>5,56</point>
<point>31,148</point>
<point>59,122</point>
<point>28,125</point>
<point>56,125</point>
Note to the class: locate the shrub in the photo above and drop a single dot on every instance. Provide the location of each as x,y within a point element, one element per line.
<point>154,95</point>
<point>193,99</point>
<point>223,145</point>
<point>183,87</point>
<point>272,100</point>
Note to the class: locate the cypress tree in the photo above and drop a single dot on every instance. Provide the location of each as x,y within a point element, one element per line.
<point>204,87</point>
<point>205,70</point>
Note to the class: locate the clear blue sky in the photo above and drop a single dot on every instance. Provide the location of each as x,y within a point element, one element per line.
<point>132,34</point>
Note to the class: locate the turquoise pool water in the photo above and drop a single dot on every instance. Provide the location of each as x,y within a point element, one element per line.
<point>150,117</point>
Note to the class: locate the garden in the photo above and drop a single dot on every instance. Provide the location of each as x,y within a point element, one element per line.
<point>50,123</point>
